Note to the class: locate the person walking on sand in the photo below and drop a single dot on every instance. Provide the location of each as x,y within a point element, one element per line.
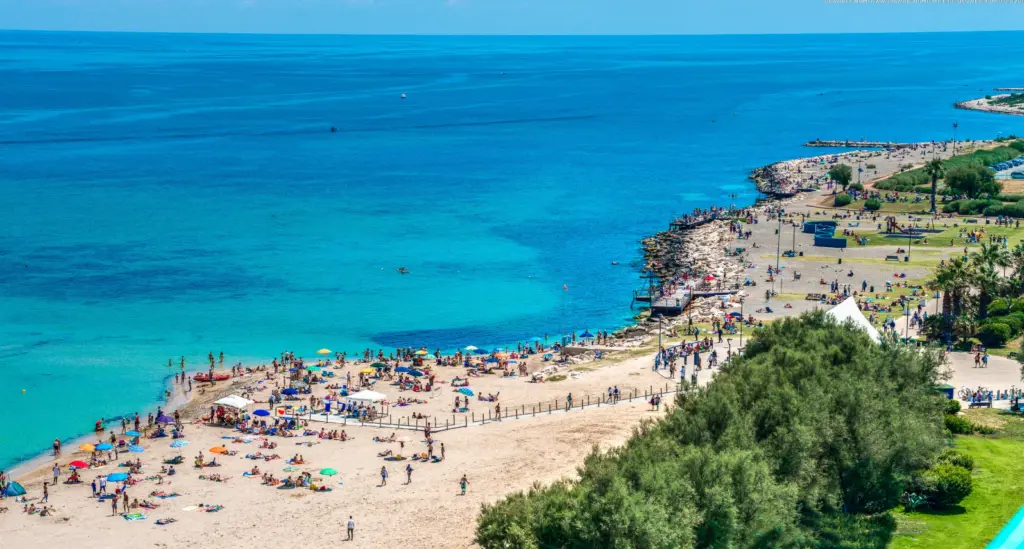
<point>46,492</point>
<point>442,451</point>
<point>568,402</point>
<point>463,482</point>
<point>383,476</point>
<point>113,507</point>
<point>56,447</point>
<point>124,493</point>
<point>351,529</point>
<point>56,473</point>
<point>408,473</point>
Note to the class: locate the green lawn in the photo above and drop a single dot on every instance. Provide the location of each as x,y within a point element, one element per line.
<point>998,492</point>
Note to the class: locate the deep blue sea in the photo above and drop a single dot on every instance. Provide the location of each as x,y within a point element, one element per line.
<point>168,195</point>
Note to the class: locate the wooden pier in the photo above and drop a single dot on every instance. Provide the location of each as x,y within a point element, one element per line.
<point>862,144</point>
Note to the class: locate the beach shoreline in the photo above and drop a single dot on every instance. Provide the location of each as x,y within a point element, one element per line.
<point>984,104</point>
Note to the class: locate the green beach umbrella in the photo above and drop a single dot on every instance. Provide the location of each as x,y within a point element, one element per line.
<point>378,365</point>
<point>313,369</point>
<point>328,471</point>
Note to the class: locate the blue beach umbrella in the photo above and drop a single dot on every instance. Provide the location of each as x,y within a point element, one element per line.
<point>536,339</point>
<point>587,335</point>
<point>117,477</point>
<point>289,391</point>
<point>104,446</point>
<point>261,413</point>
<point>415,373</point>
<point>466,391</point>
<point>13,489</point>
<point>136,449</point>
<point>164,418</point>
<point>491,360</point>
<point>481,352</point>
<point>179,443</point>
<point>133,434</point>
<point>403,370</point>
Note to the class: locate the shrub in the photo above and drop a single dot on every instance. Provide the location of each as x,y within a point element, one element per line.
<point>927,189</point>
<point>973,207</point>
<point>856,186</point>
<point>1019,145</point>
<point>951,207</point>
<point>843,200</point>
<point>1013,322</point>
<point>870,166</point>
<point>957,458</point>
<point>946,484</point>
<point>999,307</point>
<point>872,204</point>
<point>995,334</point>
<point>958,425</point>
<point>1003,197</point>
<point>952,406</point>
<point>1017,306</point>
<point>556,377</point>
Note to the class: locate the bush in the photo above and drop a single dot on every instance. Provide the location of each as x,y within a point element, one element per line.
<point>951,207</point>
<point>958,425</point>
<point>974,207</point>
<point>957,458</point>
<point>856,186</point>
<point>995,334</point>
<point>927,189</point>
<point>952,406</point>
<point>1017,306</point>
<point>870,166</point>
<point>872,204</point>
<point>843,200</point>
<point>946,484</point>
<point>1003,197</point>
<point>1019,145</point>
<point>1013,322</point>
<point>999,307</point>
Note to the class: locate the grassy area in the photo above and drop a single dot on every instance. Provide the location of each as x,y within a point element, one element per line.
<point>998,491</point>
<point>916,260</point>
<point>893,207</point>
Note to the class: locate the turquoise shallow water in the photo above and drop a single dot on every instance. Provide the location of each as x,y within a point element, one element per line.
<point>171,195</point>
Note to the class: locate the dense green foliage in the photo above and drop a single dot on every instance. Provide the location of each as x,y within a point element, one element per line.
<point>952,407</point>
<point>969,207</point>
<point>908,180</point>
<point>812,420</point>
<point>872,204</point>
<point>841,174</point>
<point>958,425</point>
<point>958,458</point>
<point>945,484</point>
<point>994,334</point>
<point>1008,100</point>
<point>856,187</point>
<point>842,200</point>
<point>972,180</point>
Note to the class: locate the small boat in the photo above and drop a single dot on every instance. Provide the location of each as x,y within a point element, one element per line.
<point>216,377</point>
<point>402,270</point>
<point>615,262</point>
<point>403,96</point>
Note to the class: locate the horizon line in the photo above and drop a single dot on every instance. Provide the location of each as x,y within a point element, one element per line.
<point>506,35</point>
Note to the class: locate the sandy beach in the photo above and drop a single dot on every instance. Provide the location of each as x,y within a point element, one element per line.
<point>497,457</point>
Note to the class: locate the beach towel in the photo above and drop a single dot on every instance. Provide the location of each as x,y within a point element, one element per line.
<point>212,508</point>
<point>189,508</point>
<point>167,496</point>
<point>165,521</point>
<point>290,469</point>
<point>134,516</point>
<point>249,475</point>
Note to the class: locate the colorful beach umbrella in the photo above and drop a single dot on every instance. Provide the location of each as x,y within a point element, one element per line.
<point>471,347</point>
<point>421,352</point>
<point>78,464</point>
<point>104,447</point>
<point>136,449</point>
<point>87,447</point>
<point>313,369</point>
<point>289,391</point>
<point>218,450</point>
<point>324,351</point>
<point>367,371</point>
<point>133,434</point>
<point>328,471</point>
<point>261,413</point>
<point>179,443</point>
<point>117,477</point>
<point>466,391</point>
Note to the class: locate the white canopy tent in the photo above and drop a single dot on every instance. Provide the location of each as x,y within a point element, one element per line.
<point>367,395</point>
<point>848,310</point>
<point>234,401</point>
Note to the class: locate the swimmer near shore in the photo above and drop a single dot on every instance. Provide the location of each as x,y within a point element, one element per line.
<point>402,270</point>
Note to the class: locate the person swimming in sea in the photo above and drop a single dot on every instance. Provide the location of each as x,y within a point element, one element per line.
<point>403,270</point>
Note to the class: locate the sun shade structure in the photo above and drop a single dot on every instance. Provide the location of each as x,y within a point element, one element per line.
<point>848,310</point>
<point>234,401</point>
<point>370,396</point>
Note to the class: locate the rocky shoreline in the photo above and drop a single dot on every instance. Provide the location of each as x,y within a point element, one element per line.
<point>985,105</point>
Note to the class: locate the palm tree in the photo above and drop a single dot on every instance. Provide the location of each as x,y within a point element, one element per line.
<point>964,327</point>
<point>988,282</point>
<point>935,171</point>
<point>1016,260</point>
<point>953,279</point>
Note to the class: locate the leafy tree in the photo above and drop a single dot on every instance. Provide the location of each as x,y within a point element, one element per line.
<point>964,327</point>
<point>972,180</point>
<point>841,174</point>
<point>842,200</point>
<point>872,204</point>
<point>814,419</point>
<point>995,334</point>
<point>953,279</point>
<point>935,170</point>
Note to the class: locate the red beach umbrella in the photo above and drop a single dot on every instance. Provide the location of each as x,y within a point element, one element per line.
<point>78,464</point>
<point>709,278</point>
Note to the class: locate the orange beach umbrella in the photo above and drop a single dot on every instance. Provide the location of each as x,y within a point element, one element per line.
<point>218,450</point>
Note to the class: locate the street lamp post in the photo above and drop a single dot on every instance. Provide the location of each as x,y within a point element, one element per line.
<point>954,137</point>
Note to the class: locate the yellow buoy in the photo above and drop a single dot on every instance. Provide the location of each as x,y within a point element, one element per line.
<point>23,391</point>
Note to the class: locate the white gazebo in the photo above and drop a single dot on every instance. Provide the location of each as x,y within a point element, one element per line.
<point>367,396</point>
<point>848,310</point>
<point>234,401</point>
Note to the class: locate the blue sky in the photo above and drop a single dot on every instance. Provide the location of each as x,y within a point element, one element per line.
<point>511,16</point>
